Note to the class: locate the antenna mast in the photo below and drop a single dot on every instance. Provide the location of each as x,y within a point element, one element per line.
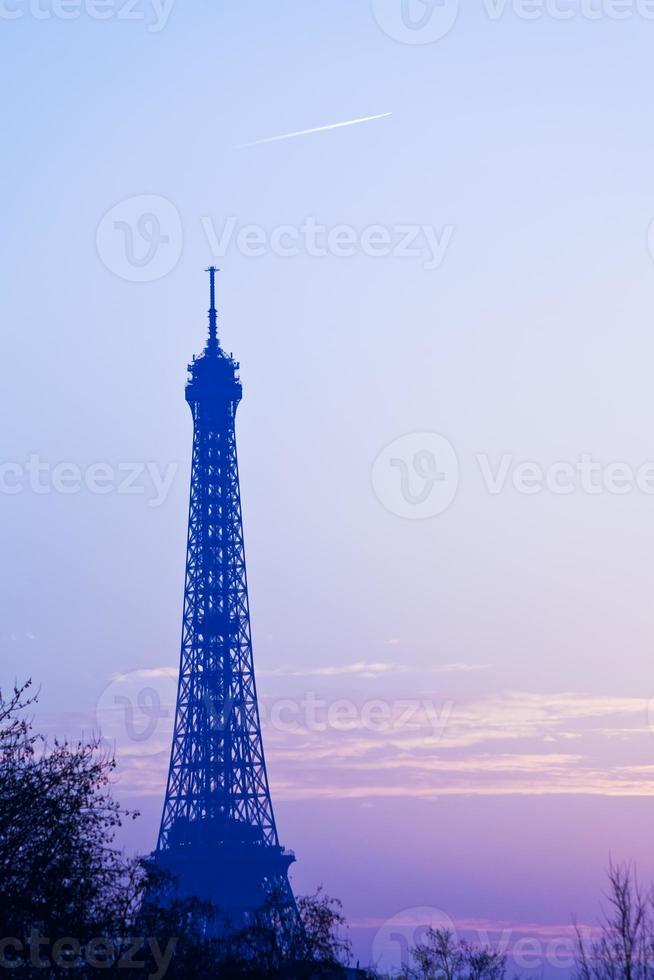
<point>213,315</point>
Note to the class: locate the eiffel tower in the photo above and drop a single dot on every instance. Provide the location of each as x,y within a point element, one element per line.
<point>218,835</point>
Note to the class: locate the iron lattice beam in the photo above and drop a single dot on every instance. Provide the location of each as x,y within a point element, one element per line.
<point>218,831</point>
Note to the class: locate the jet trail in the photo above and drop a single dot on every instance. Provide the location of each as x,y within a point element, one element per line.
<point>317,129</point>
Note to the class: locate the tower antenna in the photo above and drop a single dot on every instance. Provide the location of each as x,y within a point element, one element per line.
<point>213,315</point>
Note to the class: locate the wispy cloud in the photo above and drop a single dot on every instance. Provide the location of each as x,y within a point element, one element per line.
<point>315,129</point>
<point>501,745</point>
<point>383,745</point>
<point>364,668</point>
<point>502,932</point>
<point>146,673</point>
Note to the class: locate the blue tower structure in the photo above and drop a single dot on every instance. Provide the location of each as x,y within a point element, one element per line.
<point>218,835</point>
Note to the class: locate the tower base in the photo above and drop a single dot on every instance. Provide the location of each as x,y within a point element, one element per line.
<point>230,866</point>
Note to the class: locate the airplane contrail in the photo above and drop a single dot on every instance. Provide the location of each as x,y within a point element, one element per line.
<point>317,129</point>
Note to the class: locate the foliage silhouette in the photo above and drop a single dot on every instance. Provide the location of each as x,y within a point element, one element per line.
<point>624,949</point>
<point>443,957</point>
<point>72,901</point>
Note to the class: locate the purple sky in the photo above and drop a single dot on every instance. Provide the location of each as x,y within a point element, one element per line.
<point>445,440</point>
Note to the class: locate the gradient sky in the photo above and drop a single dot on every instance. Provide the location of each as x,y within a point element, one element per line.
<point>518,626</point>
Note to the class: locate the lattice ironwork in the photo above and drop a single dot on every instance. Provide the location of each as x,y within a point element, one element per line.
<point>218,832</point>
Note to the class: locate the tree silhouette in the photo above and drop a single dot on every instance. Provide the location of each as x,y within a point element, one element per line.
<point>70,898</point>
<point>624,949</point>
<point>443,957</point>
